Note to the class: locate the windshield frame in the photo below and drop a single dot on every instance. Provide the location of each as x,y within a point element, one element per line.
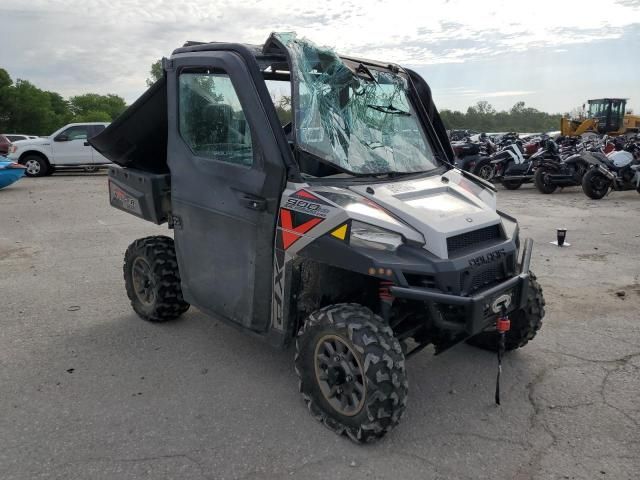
<point>436,156</point>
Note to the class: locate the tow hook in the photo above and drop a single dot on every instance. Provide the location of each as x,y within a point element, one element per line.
<point>503,324</point>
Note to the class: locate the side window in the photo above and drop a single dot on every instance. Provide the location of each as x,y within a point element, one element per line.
<point>76,133</point>
<point>96,129</point>
<point>280,91</point>
<point>211,119</point>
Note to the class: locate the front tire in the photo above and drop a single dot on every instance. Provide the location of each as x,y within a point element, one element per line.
<point>152,279</point>
<point>512,184</point>
<point>595,185</point>
<point>351,371</point>
<point>484,169</point>
<point>543,184</point>
<point>525,323</point>
<point>37,166</point>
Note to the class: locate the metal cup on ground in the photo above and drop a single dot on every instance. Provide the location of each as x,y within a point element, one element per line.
<point>561,235</point>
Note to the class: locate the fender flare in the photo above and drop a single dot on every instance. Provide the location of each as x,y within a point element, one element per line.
<point>39,153</point>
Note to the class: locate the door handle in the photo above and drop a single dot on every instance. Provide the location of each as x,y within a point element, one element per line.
<point>253,203</point>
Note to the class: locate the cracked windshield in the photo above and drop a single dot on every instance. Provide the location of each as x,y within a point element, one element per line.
<point>354,116</point>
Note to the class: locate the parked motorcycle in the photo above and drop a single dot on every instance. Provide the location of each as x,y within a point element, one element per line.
<point>474,156</point>
<point>568,172</point>
<point>619,170</point>
<point>513,168</point>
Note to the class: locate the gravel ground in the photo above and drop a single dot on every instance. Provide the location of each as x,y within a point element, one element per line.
<point>89,391</point>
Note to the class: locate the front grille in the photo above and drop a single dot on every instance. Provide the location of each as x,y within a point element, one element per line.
<point>486,277</point>
<point>473,238</point>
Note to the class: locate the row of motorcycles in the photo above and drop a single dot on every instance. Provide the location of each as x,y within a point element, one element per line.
<point>600,164</point>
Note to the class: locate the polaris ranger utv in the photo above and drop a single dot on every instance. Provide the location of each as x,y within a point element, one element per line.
<point>347,232</point>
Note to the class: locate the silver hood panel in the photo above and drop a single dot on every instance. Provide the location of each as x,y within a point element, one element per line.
<point>438,207</point>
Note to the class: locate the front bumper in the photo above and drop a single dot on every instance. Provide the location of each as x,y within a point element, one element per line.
<point>478,309</point>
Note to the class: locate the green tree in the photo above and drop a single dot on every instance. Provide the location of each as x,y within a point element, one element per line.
<point>93,116</point>
<point>5,102</point>
<point>60,108</point>
<point>483,117</point>
<point>94,106</point>
<point>283,109</point>
<point>30,109</point>
<point>156,73</point>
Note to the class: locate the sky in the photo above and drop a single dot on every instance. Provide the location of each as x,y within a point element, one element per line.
<point>551,54</point>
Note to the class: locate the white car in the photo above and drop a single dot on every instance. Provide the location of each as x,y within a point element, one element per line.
<point>65,148</point>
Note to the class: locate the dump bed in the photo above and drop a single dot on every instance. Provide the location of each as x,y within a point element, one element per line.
<point>138,138</point>
<point>136,142</point>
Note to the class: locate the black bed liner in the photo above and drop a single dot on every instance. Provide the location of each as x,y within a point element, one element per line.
<point>138,137</point>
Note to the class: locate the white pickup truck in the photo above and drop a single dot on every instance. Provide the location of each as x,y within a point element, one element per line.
<point>65,148</point>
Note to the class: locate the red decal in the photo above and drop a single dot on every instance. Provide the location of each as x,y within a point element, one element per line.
<point>290,235</point>
<point>305,194</point>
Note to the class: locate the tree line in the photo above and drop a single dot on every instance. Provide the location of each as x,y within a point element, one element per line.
<point>25,108</point>
<point>482,117</point>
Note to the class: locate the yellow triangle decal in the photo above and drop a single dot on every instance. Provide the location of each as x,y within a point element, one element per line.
<point>340,232</point>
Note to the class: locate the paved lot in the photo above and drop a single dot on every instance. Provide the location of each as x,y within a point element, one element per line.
<point>89,391</point>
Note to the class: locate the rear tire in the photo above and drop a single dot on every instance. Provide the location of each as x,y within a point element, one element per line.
<point>37,166</point>
<point>525,323</point>
<point>351,371</point>
<point>594,184</point>
<point>542,183</point>
<point>512,184</point>
<point>484,169</point>
<point>152,279</point>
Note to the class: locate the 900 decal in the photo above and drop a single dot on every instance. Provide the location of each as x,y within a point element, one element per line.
<point>305,206</point>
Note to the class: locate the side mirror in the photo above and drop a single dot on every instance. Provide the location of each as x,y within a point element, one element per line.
<point>61,138</point>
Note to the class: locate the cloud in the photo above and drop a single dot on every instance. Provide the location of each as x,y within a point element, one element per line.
<point>74,46</point>
<point>506,93</point>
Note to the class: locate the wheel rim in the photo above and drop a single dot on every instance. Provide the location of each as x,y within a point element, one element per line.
<point>485,172</point>
<point>339,375</point>
<point>599,184</point>
<point>33,167</point>
<point>546,179</point>
<point>143,281</point>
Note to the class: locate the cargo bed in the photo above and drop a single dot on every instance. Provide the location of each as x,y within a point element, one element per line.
<point>138,138</point>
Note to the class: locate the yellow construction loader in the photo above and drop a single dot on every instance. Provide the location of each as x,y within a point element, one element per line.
<point>604,116</point>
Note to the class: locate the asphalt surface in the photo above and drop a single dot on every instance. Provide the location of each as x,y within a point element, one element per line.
<point>89,391</point>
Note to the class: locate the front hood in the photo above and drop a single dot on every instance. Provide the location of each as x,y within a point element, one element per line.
<point>438,207</point>
<point>32,142</point>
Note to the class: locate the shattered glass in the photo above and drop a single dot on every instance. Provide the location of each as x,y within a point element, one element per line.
<point>357,117</point>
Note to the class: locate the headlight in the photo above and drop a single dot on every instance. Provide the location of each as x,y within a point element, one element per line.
<point>370,236</point>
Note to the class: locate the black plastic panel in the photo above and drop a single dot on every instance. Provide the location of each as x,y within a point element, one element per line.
<point>143,194</point>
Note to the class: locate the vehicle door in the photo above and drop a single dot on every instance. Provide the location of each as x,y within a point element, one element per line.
<point>70,147</point>
<point>96,157</point>
<point>227,176</point>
